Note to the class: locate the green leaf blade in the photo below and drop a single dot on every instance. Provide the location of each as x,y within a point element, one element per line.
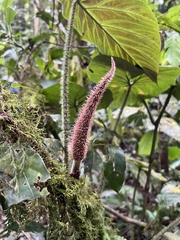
<point>9,15</point>
<point>6,3</point>
<point>23,169</point>
<point>114,169</point>
<point>126,29</point>
<point>145,144</point>
<point>143,87</point>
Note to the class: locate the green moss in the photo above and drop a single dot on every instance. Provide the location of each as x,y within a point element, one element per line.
<point>75,211</point>
<point>71,210</point>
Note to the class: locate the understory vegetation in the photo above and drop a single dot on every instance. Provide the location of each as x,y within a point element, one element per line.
<point>90,119</point>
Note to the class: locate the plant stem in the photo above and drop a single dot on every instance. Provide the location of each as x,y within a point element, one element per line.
<point>151,156</point>
<point>146,188</point>
<point>64,85</point>
<point>134,193</point>
<point>123,105</point>
<point>149,113</point>
<point>133,202</point>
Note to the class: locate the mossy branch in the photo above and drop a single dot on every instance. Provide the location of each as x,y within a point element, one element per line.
<point>64,84</point>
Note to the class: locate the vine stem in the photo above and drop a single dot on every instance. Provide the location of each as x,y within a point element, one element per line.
<point>64,85</point>
<point>164,230</point>
<point>151,156</point>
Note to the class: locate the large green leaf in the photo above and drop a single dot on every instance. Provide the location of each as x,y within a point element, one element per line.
<point>77,96</point>
<point>21,169</point>
<point>122,28</point>
<point>127,74</point>
<point>114,168</point>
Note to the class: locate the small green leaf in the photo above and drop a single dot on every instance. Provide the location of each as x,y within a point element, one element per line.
<point>106,99</point>
<point>52,94</point>
<point>145,144</point>
<point>6,3</point>
<point>77,96</point>
<point>9,15</point>
<point>114,169</point>
<point>18,85</point>
<point>173,153</point>
<point>55,53</point>
<point>172,47</point>
<point>42,37</point>
<point>44,16</point>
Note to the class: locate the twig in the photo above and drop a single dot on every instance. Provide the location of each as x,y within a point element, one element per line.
<point>124,218</point>
<point>134,193</point>
<point>149,113</point>
<point>172,224</point>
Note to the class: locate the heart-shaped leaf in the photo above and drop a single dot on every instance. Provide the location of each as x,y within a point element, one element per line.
<point>126,29</point>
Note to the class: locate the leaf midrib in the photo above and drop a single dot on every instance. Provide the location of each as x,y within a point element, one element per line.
<point>103,28</point>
